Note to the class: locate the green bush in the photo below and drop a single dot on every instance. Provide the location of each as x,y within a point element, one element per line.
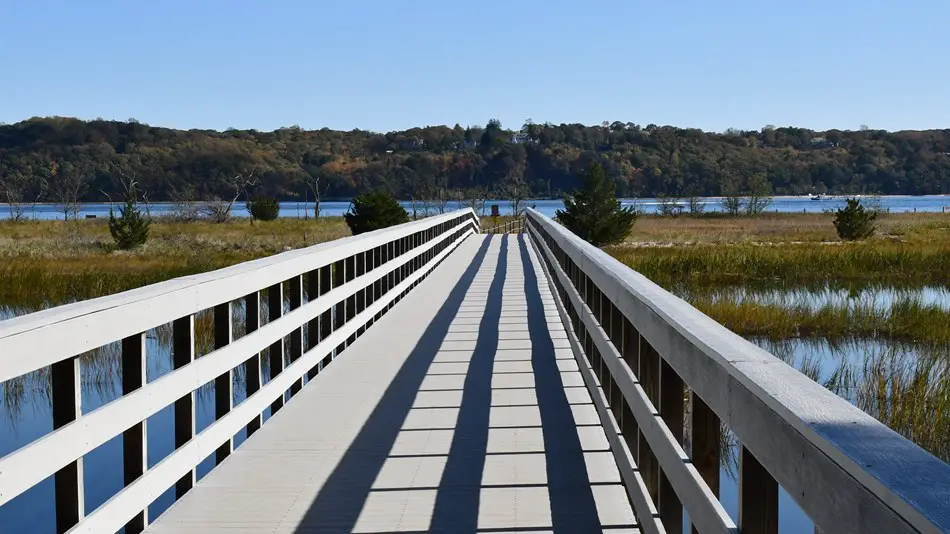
<point>594,213</point>
<point>130,228</point>
<point>854,222</point>
<point>263,208</point>
<point>374,210</point>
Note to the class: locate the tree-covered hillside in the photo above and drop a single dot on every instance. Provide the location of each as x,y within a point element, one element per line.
<point>92,158</point>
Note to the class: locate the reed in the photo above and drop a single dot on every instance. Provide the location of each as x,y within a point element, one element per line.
<point>908,393</point>
<point>47,263</point>
<point>906,319</point>
<point>776,228</point>
<point>894,263</point>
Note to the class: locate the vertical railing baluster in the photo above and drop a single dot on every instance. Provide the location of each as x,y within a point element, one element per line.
<point>339,309</point>
<point>326,318</point>
<point>649,379</point>
<point>67,407</point>
<point>135,439</point>
<point>313,326</point>
<point>183,353</point>
<point>616,338</point>
<point>671,410</point>
<point>275,308</point>
<point>758,496</point>
<point>361,294</point>
<point>351,273</point>
<point>296,337</point>
<point>223,384</point>
<point>252,367</point>
<point>704,442</point>
<point>631,355</point>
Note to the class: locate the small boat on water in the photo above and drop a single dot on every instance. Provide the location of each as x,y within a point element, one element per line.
<point>819,196</point>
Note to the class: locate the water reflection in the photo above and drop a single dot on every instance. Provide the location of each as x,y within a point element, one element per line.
<point>816,298</point>
<point>904,386</point>
<point>26,405</point>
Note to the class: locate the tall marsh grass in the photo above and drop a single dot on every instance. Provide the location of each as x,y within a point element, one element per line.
<point>798,264</point>
<point>48,263</point>
<point>905,319</point>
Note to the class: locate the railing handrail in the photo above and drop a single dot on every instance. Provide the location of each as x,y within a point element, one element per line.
<point>902,477</point>
<point>350,284</point>
<point>26,345</point>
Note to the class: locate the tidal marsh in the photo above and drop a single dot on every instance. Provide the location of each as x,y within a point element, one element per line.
<point>905,319</point>
<point>47,263</point>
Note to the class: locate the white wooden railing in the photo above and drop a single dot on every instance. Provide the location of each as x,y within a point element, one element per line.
<point>641,349</point>
<point>349,284</point>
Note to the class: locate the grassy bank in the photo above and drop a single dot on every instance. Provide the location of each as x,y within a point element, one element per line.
<point>878,261</point>
<point>790,249</point>
<point>45,263</point>
<point>777,228</point>
<point>905,320</point>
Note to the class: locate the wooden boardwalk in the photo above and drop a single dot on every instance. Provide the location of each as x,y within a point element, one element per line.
<point>462,410</point>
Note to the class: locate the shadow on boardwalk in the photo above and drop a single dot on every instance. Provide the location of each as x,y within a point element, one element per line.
<point>458,496</point>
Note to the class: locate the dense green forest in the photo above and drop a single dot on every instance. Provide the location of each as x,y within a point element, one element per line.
<point>55,158</point>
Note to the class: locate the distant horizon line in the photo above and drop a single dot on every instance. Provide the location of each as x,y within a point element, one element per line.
<point>133,120</point>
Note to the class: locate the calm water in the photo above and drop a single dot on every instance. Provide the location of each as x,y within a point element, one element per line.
<point>877,298</point>
<point>930,203</point>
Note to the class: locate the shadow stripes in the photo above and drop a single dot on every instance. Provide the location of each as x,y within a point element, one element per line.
<point>337,506</point>
<point>572,500</point>
<point>457,501</point>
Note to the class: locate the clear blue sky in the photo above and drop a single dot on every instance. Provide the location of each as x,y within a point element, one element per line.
<point>383,65</point>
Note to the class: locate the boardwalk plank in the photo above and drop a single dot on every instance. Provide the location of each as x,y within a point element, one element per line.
<point>441,418</point>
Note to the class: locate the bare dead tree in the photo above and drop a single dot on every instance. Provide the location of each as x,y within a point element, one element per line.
<point>183,204</point>
<point>427,200</point>
<point>219,210</point>
<point>19,190</point>
<point>68,184</point>
<point>319,191</point>
<point>442,193</point>
<point>473,197</point>
<point>132,188</point>
<point>517,192</point>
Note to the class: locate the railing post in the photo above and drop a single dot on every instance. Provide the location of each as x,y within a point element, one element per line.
<point>758,496</point>
<point>326,318</point>
<point>275,308</point>
<point>135,439</point>
<point>704,442</point>
<point>223,384</point>
<point>339,309</point>
<point>649,379</point>
<point>313,326</point>
<point>252,367</point>
<point>296,337</point>
<point>630,352</point>
<point>351,272</point>
<point>67,406</point>
<point>361,294</point>
<point>671,410</point>
<point>183,353</point>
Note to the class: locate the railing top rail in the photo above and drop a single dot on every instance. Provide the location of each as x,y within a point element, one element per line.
<point>908,479</point>
<point>38,339</point>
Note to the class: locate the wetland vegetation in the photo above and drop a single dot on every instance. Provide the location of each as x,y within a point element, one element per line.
<point>868,320</point>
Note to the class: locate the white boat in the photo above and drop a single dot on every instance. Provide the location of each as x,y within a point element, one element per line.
<point>819,196</point>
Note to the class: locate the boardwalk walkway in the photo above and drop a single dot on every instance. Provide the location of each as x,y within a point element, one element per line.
<point>460,411</point>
